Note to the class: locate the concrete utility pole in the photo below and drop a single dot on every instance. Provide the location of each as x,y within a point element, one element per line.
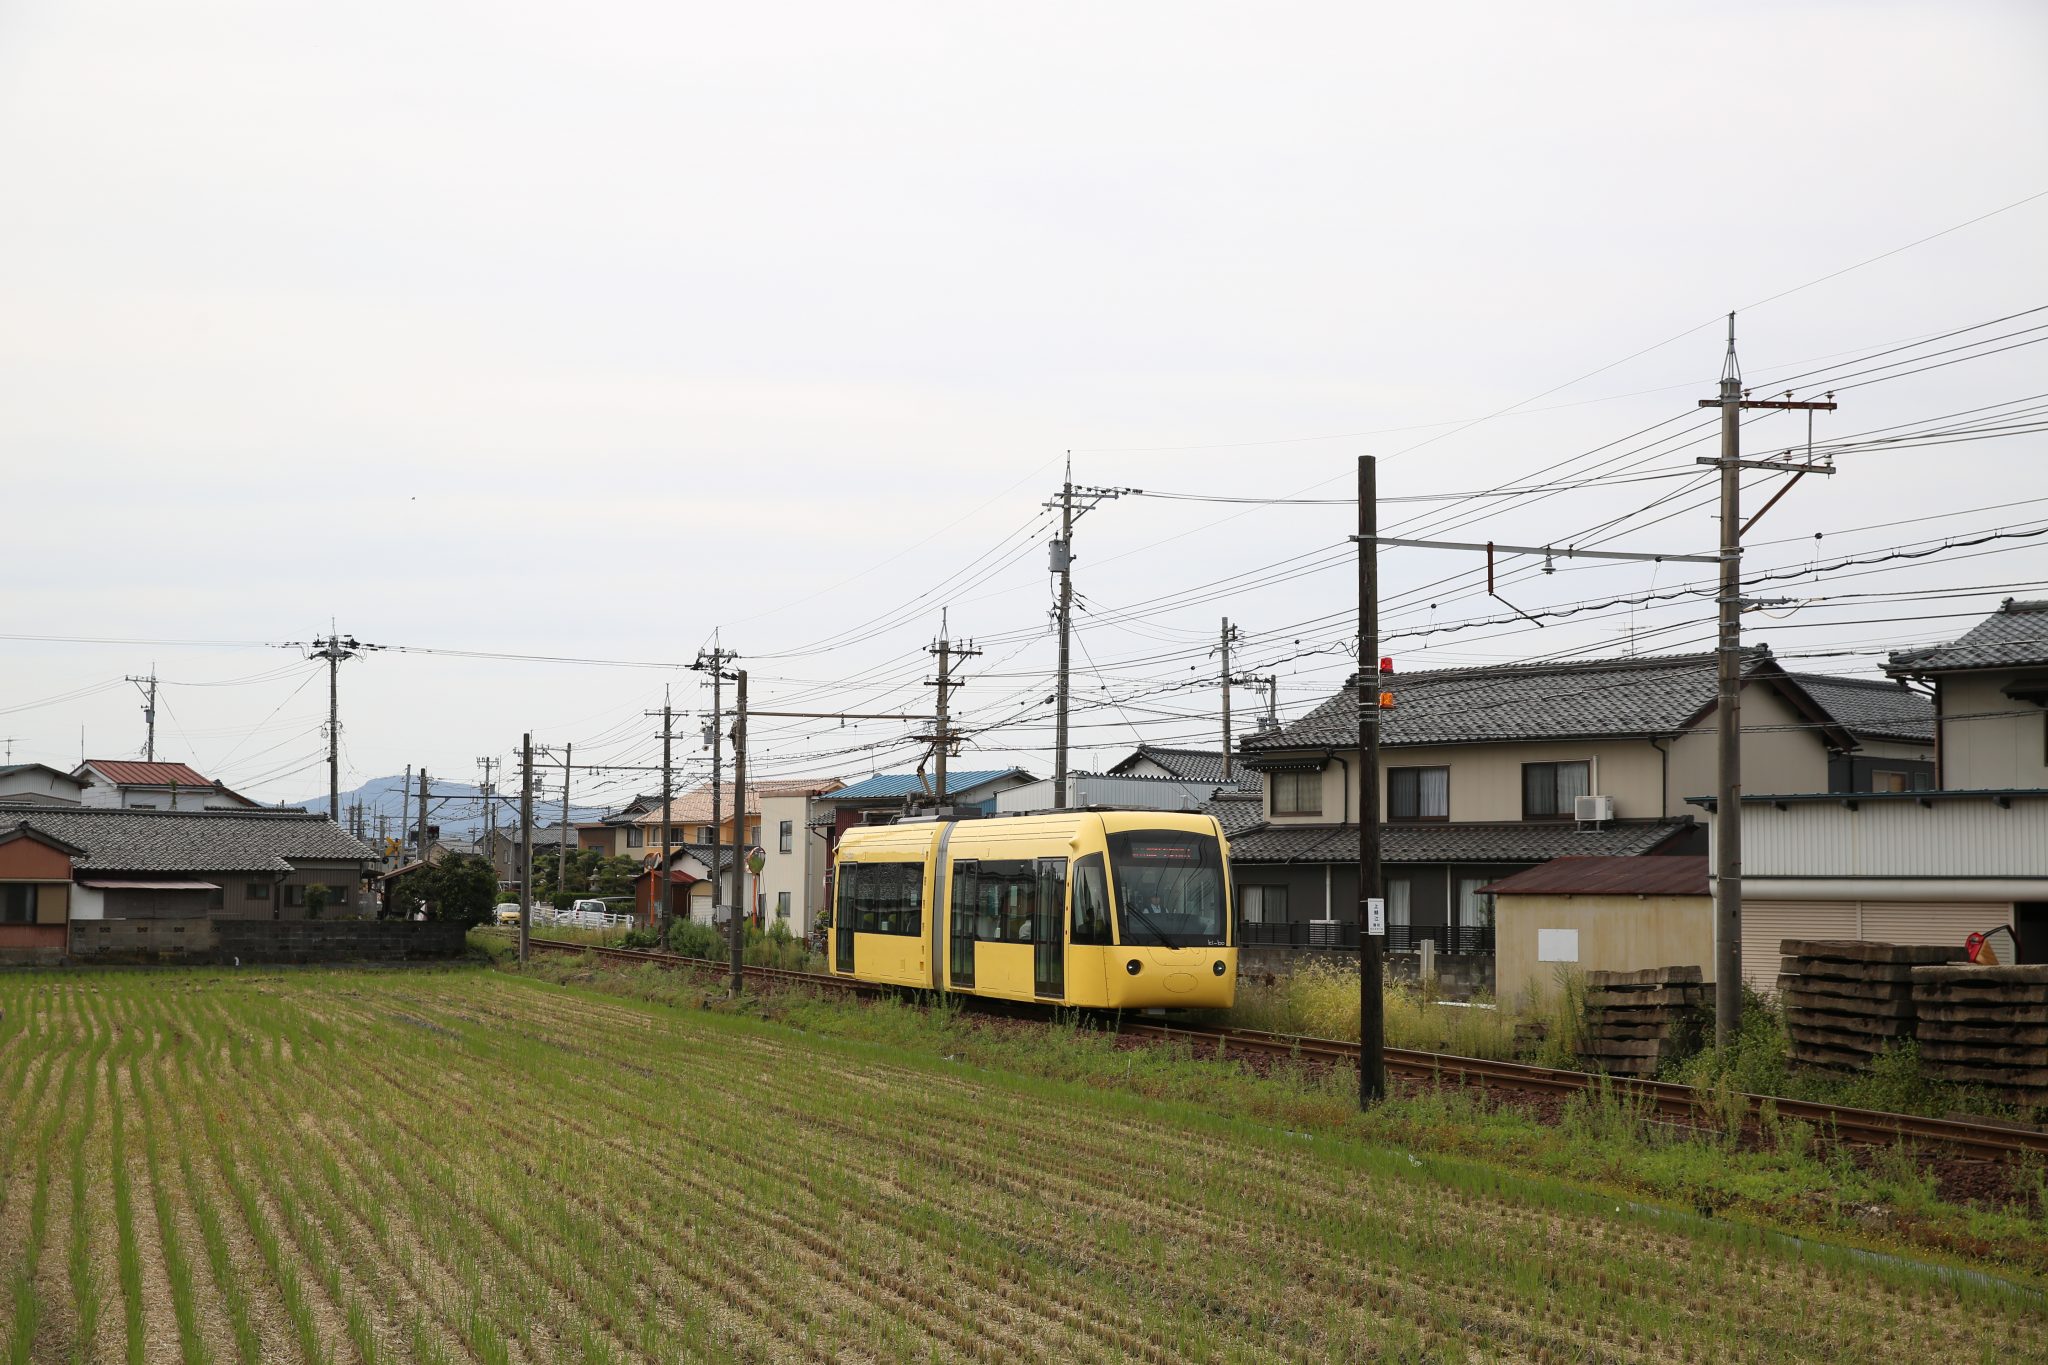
<point>1728,698</point>
<point>421,836</point>
<point>562,848</point>
<point>668,798</point>
<point>1230,633</point>
<point>713,661</point>
<point>735,921</point>
<point>1372,1061</point>
<point>148,688</point>
<point>942,732</point>
<point>526,847</point>
<point>1072,503</point>
<point>333,648</point>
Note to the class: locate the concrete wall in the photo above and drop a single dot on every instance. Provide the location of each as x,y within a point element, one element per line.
<point>1614,934</point>
<point>1460,976</point>
<point>1988,740</point>
<point>223,940</point>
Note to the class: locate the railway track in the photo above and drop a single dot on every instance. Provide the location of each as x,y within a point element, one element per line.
<point>1669,1101</point>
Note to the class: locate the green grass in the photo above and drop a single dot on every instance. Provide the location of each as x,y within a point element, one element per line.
<point>469,1164</point>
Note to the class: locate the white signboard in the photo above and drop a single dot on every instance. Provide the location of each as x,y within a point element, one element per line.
<point>1557,945</point>
<point>1376,917</point>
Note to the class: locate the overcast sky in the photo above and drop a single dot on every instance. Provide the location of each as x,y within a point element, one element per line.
<point>582,331</point>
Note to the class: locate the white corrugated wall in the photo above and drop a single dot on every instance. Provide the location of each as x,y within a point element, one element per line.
<point>1767,923</point>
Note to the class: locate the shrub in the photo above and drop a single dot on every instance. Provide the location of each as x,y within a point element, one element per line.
<point>692,939</point>
<point>636,937</point>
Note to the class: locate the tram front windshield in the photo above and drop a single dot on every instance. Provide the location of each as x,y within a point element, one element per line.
<point>1169,888</point>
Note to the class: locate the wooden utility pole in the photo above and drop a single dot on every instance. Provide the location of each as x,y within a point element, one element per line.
<point>1728,677</point>
<point>942,731</point>
<point>735,923</point>
<point>525,846</point>
<point>1372,1062</point>
<point>1072,503</point>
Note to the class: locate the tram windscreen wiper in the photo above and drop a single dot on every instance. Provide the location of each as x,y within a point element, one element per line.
<point>1149,923</point>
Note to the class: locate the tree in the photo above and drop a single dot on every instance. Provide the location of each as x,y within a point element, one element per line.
<point>316,900</point>
<point>461,887</point>
<point>613,876</point>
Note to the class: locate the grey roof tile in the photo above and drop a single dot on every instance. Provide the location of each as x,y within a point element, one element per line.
<point>2014,636</point>
<point>1235,811</point>
<point>1455,843</point>
<point>191,841</point>
<point>1871,707</point>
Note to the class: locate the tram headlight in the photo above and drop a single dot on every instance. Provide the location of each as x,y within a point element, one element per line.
<point>1219,966</point>
<point>1133,966</point>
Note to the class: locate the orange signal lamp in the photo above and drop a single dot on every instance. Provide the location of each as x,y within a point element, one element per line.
<point>1386,701</point>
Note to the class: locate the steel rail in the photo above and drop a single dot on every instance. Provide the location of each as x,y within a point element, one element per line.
<point>1843,1123</point>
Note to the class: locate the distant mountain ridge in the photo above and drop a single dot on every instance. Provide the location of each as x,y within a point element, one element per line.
<point>459,817</point>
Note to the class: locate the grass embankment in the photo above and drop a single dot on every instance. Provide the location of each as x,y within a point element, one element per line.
<point>1320,999</point>
<point>465,1165</point>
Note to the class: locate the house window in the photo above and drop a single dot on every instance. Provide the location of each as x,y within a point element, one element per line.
<point>1548,789</point>
<point>1883,781</point>
<point>635,837</point>
<point>216,898</point>
<point>295,895</point>
<point>1263,904</point>
<point>256,891</point>
<point>782,905</point>
<point>17,903</point>
<point>1296,793</point>
<point>706,835</point>
<point>1418,793</point>
<point>787,838</point>
<point>753,835</point>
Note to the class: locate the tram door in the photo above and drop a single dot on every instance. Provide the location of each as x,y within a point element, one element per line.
<point>1049,930</point>
<point>843,917</point>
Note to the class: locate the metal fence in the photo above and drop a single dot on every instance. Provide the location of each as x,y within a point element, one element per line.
<point>581,919</point>
<point>1401,938</point>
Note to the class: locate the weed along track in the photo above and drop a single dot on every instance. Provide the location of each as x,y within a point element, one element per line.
<point>466,1166</point>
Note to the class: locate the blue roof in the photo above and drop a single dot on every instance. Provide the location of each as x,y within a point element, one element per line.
<point>892,786</point>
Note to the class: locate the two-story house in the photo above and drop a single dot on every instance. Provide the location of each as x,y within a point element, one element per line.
<point>134,784</point>
<point>1481,771</point>
<point>1966,854</point>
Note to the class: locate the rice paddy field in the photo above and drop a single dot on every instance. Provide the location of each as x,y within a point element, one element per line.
<point>467,1165</point>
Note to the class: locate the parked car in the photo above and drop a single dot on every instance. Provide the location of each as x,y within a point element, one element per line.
<point>590,905</point>
<point>507,912</point>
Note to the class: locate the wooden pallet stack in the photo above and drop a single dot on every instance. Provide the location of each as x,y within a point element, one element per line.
<point>1635,1021</point>
<point>1847,1000</point>
<point>1987,1027</point>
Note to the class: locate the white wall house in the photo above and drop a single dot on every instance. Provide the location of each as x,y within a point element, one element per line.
<point>134,784</point>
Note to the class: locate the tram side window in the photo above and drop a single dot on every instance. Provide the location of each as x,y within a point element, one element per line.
<point>1006,898</point>
<point>888,898</point>
<point>1091,901</point>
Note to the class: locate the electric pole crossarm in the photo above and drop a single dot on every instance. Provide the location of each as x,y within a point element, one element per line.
<point>1782,405</point>
<point>841,715</point>
<point>1549,551</point>
<point>1775,466</point>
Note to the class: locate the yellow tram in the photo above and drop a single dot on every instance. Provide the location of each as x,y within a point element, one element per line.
<point>1105,909</point>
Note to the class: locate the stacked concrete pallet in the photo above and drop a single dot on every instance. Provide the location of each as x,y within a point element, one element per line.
<point>1987,1027</point>
<point>1635,1021</point>
<point>1846,1001</point>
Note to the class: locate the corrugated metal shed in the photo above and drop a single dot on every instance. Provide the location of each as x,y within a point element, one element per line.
<point>1913,835</point>
<point>1121,790</point>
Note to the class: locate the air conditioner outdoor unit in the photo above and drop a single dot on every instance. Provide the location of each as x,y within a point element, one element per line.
<point>1591,810</point>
